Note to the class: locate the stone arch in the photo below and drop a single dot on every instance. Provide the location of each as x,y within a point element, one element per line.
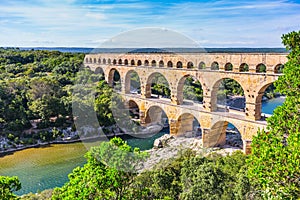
<point>201,65</point>
<point>217,134</point>
<point>126,62</point>
<point>179,64</point>
<point>134,109</point>
<point>112,78</point>
<point>99,70</point>
<point>86,60</point>
<point>156,115</point>
<point>146,63</point>
<point>278,69</point>
<point>91,60</point>
<point>149,83</point>
<point>190,65</point>
<point>237,103</point>
<point>214,66</point>
<point>228,67</point>
<point>128,82</point>
<point>139,63</point>
<point>104,61</point>
<point>258,100</point>
<point>132,62</point>
<point>170,64</point>
<point>161,63</point>
<point>186,125</point>
<point>99,61</point>
<point>114,62</point>
<point>109,61</point>
<point>261,68</point>
<point>120,62</point>
<point>180,88</point>
<point>153,63</point>
<point>95,60</point>
<point>244,67</point>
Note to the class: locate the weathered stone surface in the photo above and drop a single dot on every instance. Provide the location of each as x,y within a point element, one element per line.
<point>162,141</point>
<point>149,64</point>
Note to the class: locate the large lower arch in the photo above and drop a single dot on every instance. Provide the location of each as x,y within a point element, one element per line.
<point>158,85</point>
<point>114,79</point>
<point>189,88</point>
<point>99,70</point>
<point>134,110</point>
<point>218,132</point>
<point>228,94</point>
<point>156,115</point>
<point>132,82</point>
<point>187,124</point>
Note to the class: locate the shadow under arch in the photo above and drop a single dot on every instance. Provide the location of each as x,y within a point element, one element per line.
<point>114,79</point>
<point>188,125</point>
<point>156,115</point>
<point>132,82</point>
<point>189,88</point>
<point>223,132</point>
<point>99,70</point>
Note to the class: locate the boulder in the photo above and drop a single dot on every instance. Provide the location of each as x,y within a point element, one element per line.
<point>162,141</point>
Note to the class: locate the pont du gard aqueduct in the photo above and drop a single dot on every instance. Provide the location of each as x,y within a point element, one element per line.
<point>253,71</point>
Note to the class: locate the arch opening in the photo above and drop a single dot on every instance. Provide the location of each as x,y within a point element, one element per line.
<point>161,63</point>
<point>189,126</point>
<point>157,86</point>
<point>156,115</point>
<point>179,64</point>
<point>190,65</point>
<point>104,61</point>
<point>189,91</point>
<point>153,63</point>
<point>86,60</point>
<point>228,95</point>
<point>244,67</point>
<point>132,83</point>
<point>228,67</point>
<point>109,61</point>
<point>99,61</point>
<point>114,79</point>
<point>170,64</point>
<point>214,66</point>
<point>91,60</point>
<point>95,60</point>
<point>134,110</point>
<point>201,65</point>
<point>261,68</point>
<point>120,62</point>
<point>126,62</point>
<point>139,63</point>
<point>132,62</point>
<point>114,62</point>
<point>99,70</point>
<point>225,135</point>
<point>268,100</point>
<point>146,63</point>
<point>279,69</point>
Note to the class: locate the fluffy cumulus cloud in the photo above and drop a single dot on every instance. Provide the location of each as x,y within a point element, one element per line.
<point>223,23</point>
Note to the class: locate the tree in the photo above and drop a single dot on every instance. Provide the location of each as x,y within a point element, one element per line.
<point>109,171</point>
<point>274,165</point>
<point>8,185</point>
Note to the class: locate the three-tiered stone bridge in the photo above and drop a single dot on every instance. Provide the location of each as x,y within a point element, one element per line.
<point>253,71</point>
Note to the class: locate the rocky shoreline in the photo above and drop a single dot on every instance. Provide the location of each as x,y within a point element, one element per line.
<point>167,147</point>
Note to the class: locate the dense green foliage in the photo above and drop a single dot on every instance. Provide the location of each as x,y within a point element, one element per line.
<point>8,185</point>
<point>274,166</point>
<point>109,171</point>
<point>35,85</point>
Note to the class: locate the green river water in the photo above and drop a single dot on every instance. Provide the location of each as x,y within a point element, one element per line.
<point>48,167</point>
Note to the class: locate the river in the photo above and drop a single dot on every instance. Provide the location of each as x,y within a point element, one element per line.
<point>47,167</point>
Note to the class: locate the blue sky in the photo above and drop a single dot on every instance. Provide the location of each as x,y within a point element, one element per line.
<point>87,23</point>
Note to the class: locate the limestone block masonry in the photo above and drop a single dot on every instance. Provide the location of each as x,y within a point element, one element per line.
<point>253,71</point>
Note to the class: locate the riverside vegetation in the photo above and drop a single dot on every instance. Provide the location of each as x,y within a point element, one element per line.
<point>271,171</point>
